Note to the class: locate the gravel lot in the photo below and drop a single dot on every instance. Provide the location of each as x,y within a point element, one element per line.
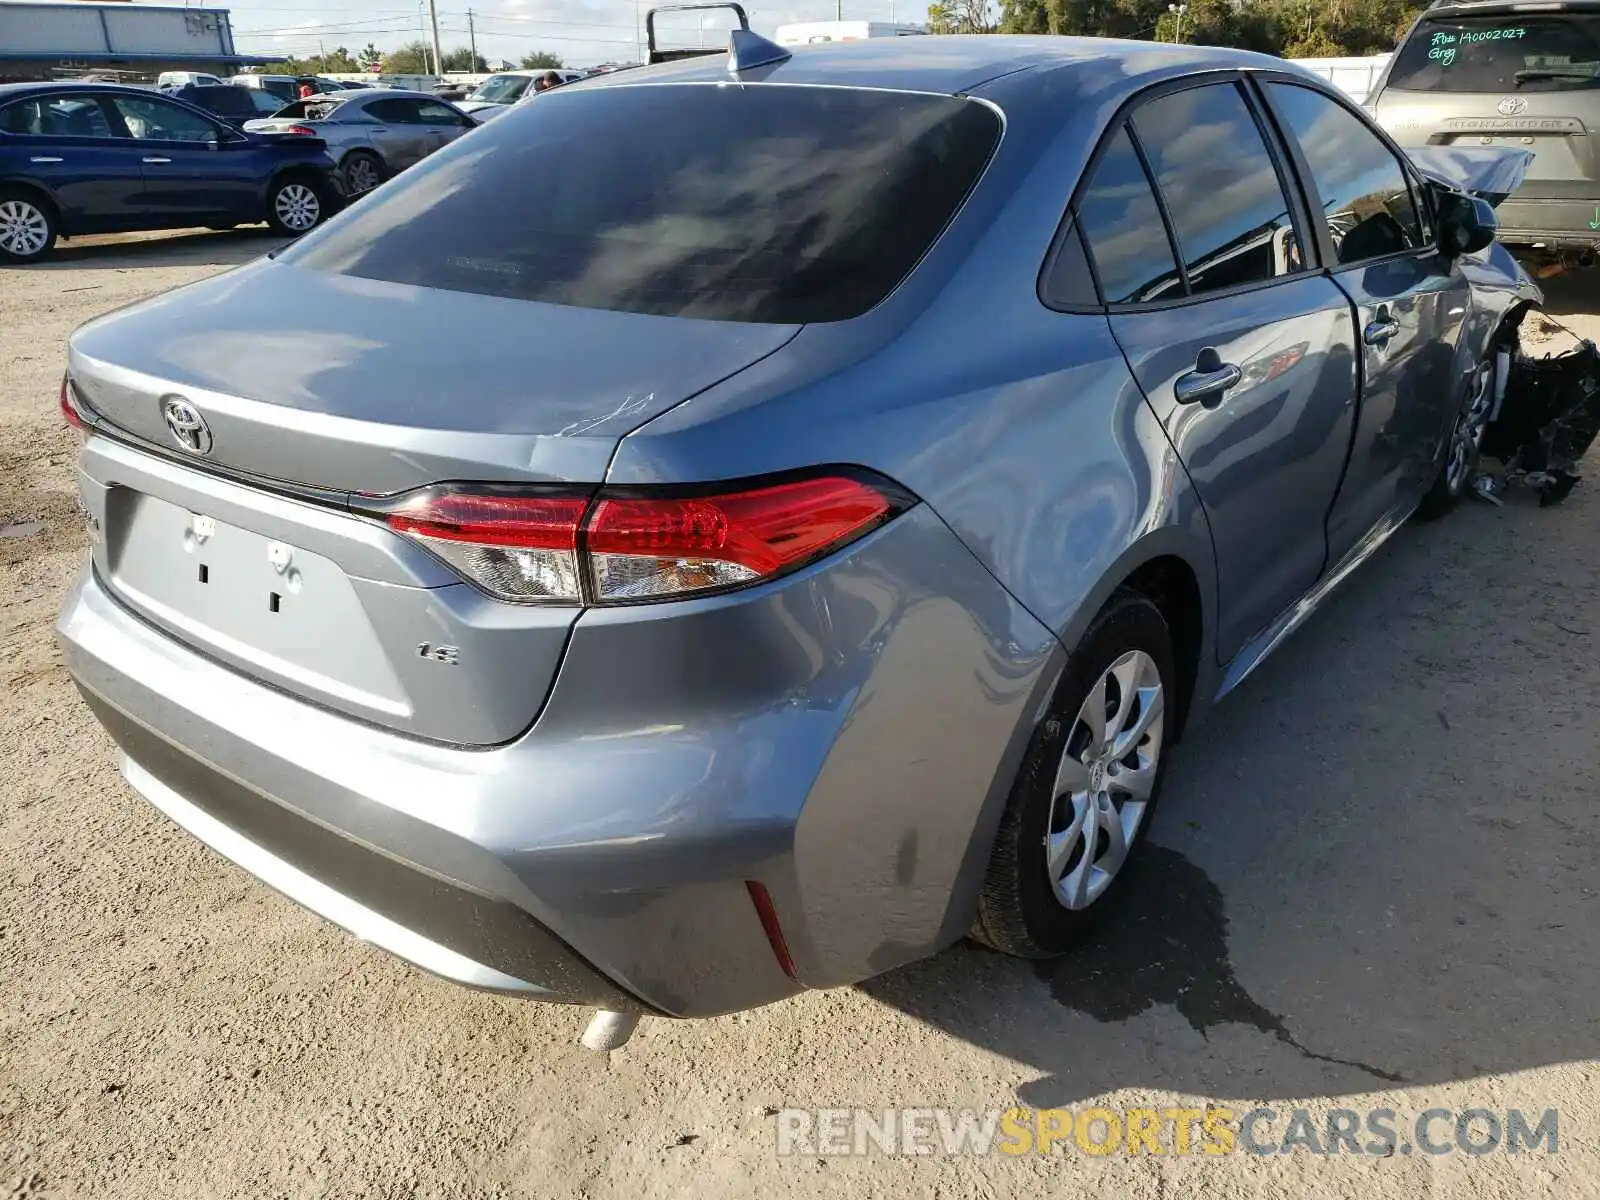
<point>1374,885</point>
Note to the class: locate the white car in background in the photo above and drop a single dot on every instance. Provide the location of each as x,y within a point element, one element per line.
<point>178,79</point>
<point>500,91</point>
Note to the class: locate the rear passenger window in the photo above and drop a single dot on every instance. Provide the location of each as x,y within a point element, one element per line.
<point>56,116</point>
<point>1124,231</point>
<point>1222,191</point>
<point>1363,187</point>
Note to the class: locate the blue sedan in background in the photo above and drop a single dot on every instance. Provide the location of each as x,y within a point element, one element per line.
<point>97,158</point>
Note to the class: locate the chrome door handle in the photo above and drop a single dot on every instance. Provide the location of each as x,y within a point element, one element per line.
<point>44,158</point>
<point>1210,378</point>
<point>1382,328</point>
<point>157,160</point>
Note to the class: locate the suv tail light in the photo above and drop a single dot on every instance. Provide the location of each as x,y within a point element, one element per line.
<point>625,545</point>
<point>301,130</point>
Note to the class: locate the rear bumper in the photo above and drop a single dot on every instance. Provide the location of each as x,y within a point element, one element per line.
<point>844,737</point>
<point>1554,221</point>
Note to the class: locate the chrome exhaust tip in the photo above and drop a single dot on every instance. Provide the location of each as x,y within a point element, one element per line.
<point>609,1031</point>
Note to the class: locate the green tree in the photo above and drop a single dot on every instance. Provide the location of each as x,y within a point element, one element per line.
<point>961,16</point>
<point>414,58</point>
<point>1302,28</point>
<point>541,60</point>
<point>369,57</point>
<point>460,59</point>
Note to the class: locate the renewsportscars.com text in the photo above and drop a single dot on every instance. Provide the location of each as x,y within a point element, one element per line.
<point>1211,1131</point>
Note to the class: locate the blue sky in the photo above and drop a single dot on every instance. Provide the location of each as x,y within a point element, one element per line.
<point>582,32</point>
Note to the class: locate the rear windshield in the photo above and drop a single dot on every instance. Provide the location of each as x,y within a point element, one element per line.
<point>319,109</point>
<point>1518,52</point>
<point>764,203</point>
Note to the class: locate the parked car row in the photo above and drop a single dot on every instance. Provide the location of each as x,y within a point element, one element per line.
<point>84,158</point>
<point>80,158</point>
<point>372,133</point>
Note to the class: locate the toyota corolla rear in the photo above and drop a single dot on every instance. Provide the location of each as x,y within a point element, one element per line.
<point>365,614</point>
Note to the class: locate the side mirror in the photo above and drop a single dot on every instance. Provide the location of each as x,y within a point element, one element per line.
<point>1466,223</point>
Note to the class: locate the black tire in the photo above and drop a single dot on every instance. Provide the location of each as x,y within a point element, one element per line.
<point>287,201</point>
<point>1018,911</point>
<point>28,226</point>
<point>1454,474</point>
<point>361,165</point>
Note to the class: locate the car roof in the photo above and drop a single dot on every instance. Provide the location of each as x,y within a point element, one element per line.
<point>13,91</point>
<point>947,65</point>
<point>345,95</point>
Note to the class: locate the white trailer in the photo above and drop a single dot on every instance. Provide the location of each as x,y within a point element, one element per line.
<point>812,33</point>
<point>1352,76</point>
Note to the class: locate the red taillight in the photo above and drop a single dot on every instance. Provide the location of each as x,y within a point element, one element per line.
<point>70,411</point>
<point>644,547</point>
<point>302,130</point>
<point>767,913</point>
<point>515,546</point>
<point>536,547</point>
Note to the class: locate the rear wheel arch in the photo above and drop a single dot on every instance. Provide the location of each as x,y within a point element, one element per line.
<point>37,192</point>
<point>1173,568</point>
<point>1170,583</point>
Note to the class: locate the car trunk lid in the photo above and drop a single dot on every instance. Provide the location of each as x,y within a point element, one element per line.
<point>312,387</point>
<point>356,385</point>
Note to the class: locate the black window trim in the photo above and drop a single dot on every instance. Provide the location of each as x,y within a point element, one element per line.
<point>1173,243</point>
<point>1308,185</point>
<point>1289,182</point>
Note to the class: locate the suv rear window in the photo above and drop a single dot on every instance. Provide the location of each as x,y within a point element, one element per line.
<point>767,203</point>
<point>1518,52</point>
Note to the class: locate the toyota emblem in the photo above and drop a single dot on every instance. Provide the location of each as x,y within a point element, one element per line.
<point>1512,106</point>
<point>187,426</point>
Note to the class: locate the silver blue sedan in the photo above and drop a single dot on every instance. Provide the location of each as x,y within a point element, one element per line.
<point>741,525</point>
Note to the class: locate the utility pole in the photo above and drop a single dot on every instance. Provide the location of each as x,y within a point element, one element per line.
<point>838,10</point>
<point>472,33</point>
<point>322,55</point>
<point>438,55</point>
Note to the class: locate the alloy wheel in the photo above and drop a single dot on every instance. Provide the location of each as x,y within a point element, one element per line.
<point>1470,424</point>
<point>24,229</point>
<point>361,175</point>
<point>1105,780</point>
<point>297,207</point>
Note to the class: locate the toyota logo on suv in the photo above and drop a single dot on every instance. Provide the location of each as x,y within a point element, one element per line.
<point>1512,106</point>
<point>187,426</point>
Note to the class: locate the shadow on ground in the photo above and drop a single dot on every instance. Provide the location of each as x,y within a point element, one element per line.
<point>176,248</point>
<point>1375,864</point>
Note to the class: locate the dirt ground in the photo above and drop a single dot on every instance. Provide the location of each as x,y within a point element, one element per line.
<point>1374,885</point>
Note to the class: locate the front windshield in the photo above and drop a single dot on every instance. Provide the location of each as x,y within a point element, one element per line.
<point>501,89</point>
